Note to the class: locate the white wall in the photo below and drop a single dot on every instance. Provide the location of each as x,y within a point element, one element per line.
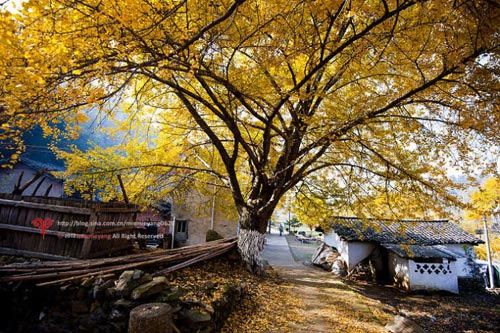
<point>463,269</point>
<point>357,252</point>
<point>332,239</point>
<point>398,268</point>
<point>351,252</point>
<point>436,279</point>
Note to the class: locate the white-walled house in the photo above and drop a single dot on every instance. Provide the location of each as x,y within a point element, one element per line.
<point>46,184</point>
<point>413,254</point>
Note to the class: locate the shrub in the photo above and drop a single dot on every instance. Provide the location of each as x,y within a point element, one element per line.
<point>212,235</point>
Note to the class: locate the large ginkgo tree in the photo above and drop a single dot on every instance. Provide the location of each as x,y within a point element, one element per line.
<point>336,100</point>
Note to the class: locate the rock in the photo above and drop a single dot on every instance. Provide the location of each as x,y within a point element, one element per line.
<point>339,267</point>
<point>403,325</point>
<point>137,274</point>
<point>95,306</point>
<point>97,313</point>
<point>171,295</point>
<point>324,257</point>
<point>107,284</point>
<point>151,288</point>
<point>99,290</point>
<point>404,313</point>
<point>123,304</point>
<point>151,318</point>
<point>194,317</point>
<point>79,307</point>
<point>209,308</point>
<point>81,294</point>
<point>130,280</point>
<point>124,279</point>
<point>112,293</point>
<point>116,315</point>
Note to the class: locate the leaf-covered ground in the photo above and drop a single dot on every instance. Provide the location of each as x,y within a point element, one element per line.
<point>308,299</point>
<point>477,312</point>
<point>268,305</point>
<point>351,306</point>
<point>329,305</point>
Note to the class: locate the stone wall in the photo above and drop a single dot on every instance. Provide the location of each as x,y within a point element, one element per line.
<point>103,305</point>
<point>198,228</point>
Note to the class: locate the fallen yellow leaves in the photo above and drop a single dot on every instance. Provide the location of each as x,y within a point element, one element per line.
<point>269,305</point>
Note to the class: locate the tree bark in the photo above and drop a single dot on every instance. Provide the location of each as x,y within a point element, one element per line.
<point>250,246</point>
<point>252,238</point>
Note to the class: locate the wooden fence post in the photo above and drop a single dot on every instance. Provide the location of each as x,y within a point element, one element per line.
<point>87,242</point>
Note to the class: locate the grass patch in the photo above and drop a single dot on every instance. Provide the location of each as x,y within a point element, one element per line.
<point>301,252</point>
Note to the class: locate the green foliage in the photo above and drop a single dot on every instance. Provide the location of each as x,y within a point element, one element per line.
<point>294,223</point>
<point>212,235</point>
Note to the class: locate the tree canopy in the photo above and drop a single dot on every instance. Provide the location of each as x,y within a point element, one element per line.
<point>485,200</point>
<point>342,102</point>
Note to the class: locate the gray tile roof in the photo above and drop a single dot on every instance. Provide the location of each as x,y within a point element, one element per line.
<point>410,232</point>
<point>420,251</point>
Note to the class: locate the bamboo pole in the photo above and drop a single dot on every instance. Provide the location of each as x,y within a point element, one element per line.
<point>78,269</point>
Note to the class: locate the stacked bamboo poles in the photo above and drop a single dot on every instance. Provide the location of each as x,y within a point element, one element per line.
<point>48,273</point>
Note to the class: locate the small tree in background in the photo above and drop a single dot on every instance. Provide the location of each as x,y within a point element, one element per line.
<point>293,223</point>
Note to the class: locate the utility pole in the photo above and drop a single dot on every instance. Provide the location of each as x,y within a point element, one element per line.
<point>488,252</point>
<point>289,227</point>
<point>212,217</point>
<point>173,232</point>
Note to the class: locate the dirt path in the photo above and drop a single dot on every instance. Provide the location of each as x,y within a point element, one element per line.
<point>329,305</point>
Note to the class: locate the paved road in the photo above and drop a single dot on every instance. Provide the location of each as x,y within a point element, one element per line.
<point>277,252</point>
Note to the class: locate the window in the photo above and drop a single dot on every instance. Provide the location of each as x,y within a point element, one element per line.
<point>180,226</point>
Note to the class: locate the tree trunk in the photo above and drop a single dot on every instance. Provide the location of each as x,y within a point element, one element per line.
<point>252,238</point>
<point>250,246</point>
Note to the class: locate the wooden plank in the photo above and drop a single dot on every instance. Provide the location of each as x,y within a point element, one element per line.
<point>117,210</point>
<point>33,230</point>
<point>31,254</point>
<point>111,250</point>
<point>55,208</point>
<point>87,242</point>
<point>112,230</point>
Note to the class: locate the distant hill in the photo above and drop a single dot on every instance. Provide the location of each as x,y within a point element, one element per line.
<point>39,155</point>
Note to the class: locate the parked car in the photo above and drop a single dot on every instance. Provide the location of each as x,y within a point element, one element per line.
<point>483,269</point>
